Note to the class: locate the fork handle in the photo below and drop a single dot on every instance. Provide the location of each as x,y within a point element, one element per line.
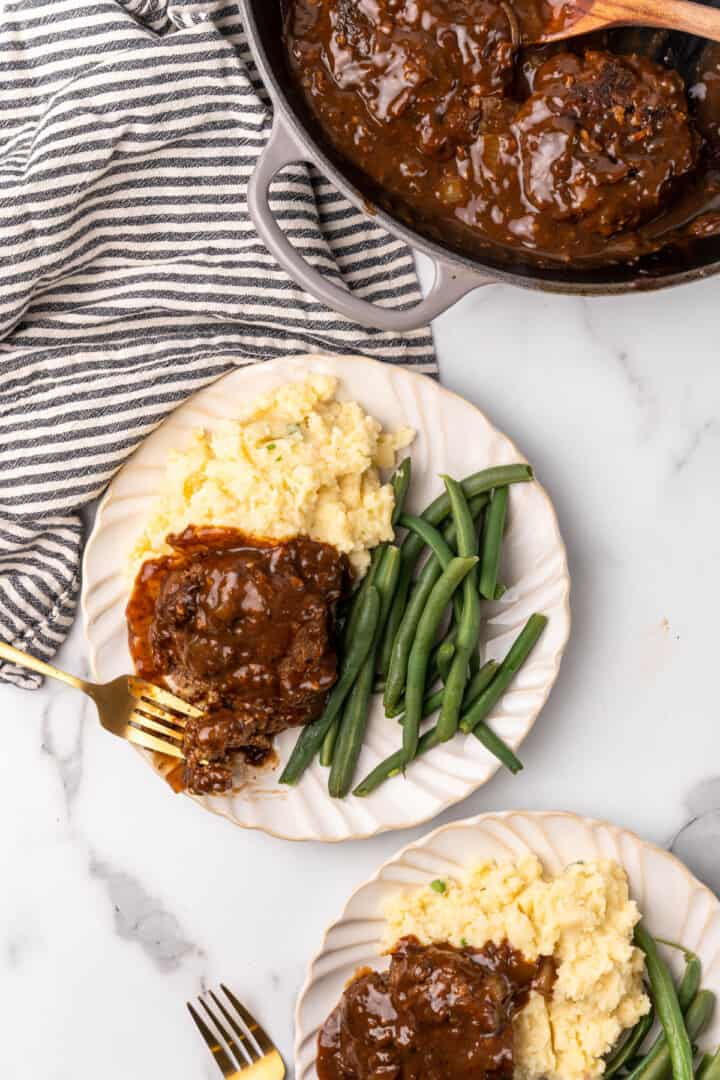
<point>22,659</point>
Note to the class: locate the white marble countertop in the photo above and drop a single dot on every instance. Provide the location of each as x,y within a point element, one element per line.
<point>118,902</point>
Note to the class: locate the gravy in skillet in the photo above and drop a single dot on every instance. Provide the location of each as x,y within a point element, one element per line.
<point>575,154</point>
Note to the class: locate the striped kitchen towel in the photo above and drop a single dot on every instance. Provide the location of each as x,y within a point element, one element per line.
<point>130,275</point>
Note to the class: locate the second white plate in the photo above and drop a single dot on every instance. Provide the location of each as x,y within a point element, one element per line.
<point>452,437</point>
<point>675,905</point>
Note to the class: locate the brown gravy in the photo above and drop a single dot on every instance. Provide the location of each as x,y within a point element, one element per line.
<point>573,154</point>
<point>438,1013</point>
<point>244,628</point>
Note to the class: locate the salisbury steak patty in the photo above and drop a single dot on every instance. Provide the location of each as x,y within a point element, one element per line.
<point>411,73</point>
<point>438,1012</point>
<point>244,629</point>
<point>602,139</point>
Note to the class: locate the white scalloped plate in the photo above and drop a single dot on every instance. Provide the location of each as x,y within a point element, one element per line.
<point>453,437</point>
<point>676,905</point>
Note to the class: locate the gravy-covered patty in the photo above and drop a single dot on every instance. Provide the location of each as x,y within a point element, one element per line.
<point>598,145</point>
<point>439,1013</point>
<point>243,628</point>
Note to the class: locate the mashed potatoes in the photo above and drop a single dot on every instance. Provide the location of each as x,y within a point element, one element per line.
<point>584,918</point>
<point>295,462</point>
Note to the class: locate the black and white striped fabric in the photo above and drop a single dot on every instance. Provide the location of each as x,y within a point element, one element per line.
<point>130,275</point>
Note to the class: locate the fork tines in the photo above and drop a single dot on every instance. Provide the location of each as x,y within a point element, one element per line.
<point>150,694</point>
<point>236,1040</point>
<point>168,740</point>
<point>158,713</point>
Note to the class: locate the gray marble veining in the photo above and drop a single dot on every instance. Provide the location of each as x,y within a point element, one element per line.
<point>142,919</point>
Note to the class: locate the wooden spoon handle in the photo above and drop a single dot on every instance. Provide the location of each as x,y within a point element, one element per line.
<point>684,15</point>
<point>585,16</point>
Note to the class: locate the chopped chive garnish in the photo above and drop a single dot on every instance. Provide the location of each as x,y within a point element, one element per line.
<point>438,885</point>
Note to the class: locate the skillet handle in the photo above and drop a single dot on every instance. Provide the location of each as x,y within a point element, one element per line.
<point>450,285</point>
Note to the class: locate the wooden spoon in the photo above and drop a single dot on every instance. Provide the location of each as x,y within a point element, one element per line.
<point>584,16</point>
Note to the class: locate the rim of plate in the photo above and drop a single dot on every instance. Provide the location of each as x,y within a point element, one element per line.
<point>536,816</point>
<point>355,359</point>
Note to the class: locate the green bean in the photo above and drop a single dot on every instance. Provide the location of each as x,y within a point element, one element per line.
<point>703,1066</point>
<point>404,634</point>
<point>412,548</point>
<point>477,503</point>
<point>355,600</point>
<point>479,681</point>
<point>351,734</point>
<point>354,722</point>
<point>709,1067</point>
<point>401,484</point>
<point>407,569</point>
<point>692,976</point>
<point>688,988</point>
<point>657,1064</point>
<point>467,541</point>
<point>500,591</point>
<point>492,542</point>
<point>398,711</point>
<point>475,687</point>
<point>405,631</point>
<point>397,671</point>
<point>690,984</point>
<point>518,654</point>
<point>394,764</point>
<point>450,537</point>
<point>359,647</point>
<point>469,621</point>
<point>445,655</point>
<point>498,748</point>
<point>667,1006</point>
<point>477,484</point>
<point>431,703</point>
<point>433,669</point>
<point>430,536</point>
<point>427,626</point>
<point>328,747</point>
<point>623,1054</point>
<point>476,488</point>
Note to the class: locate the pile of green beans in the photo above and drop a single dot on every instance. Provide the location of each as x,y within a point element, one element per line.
<point>684,1013</point>
<point>414,622</point>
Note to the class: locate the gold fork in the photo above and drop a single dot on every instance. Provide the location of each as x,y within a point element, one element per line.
<point>128,707</point>
<point>240,1046</point>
